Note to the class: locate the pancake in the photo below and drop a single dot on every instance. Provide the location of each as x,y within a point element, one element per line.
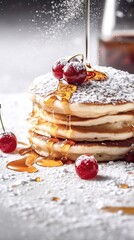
<point>103,151</point>
<point>96,117</point>
<point>90,100</point>
<point>77,121</point>
<point>116,131</point>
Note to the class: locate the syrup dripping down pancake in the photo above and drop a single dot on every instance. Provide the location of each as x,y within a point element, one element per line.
<point>92,100</point>
<point>97,115</point>
<point>103,151</point>
<point>115,131</point>
<point>77,121</point>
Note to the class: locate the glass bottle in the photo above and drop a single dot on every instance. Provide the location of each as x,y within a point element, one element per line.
<point>116,43</point>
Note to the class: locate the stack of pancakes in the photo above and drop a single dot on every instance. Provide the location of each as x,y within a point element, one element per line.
<point>95,118</point>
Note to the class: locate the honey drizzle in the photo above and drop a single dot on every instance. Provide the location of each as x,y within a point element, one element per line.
<point>49,100</point>
<point>34,112</point>
<point>68,126</point>
<point>92,74</point>
<point>24,164</point>
<point>63,94</point>
<point>66,145</point>
<point>49,162</point>
<point>125,210</point>
<point>54,127</point>
<point>50,142</point>
<point>24,151</point>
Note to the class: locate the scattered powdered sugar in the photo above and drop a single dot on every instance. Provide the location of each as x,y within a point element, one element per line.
<point>61,61</point>
<point>29,209</point>
<point>58,20</point>
<point>119,87</point>
<point>78,66</point>
<point>44,85</point>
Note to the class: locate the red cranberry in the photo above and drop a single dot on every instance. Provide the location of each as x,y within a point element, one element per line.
<point>129,156</point>
<point>58,68</point>
<point>8,142</point>
<point>75,73</point>
<point>86,167</point>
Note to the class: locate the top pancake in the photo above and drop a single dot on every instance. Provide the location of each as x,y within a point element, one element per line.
<point>117,89</point>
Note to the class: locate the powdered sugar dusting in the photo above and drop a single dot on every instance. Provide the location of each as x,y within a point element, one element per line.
<point>118,88</point>
<point>61,61</point>
<point>77,65</point>
<point>58,20</point>
<point>29,210</point>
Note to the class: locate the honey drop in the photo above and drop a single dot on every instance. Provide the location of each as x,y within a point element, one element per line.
<point>38,179</point>
<point>55,199</point>
<point>49,162</point>
<point>124,186</point>
<point>24,164</point>
<point>125,210</point>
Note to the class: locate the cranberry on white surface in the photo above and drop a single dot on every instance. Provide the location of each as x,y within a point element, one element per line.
<point>86,167</point>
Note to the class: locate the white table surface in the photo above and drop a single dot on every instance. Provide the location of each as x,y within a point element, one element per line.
<point>26,207</point>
